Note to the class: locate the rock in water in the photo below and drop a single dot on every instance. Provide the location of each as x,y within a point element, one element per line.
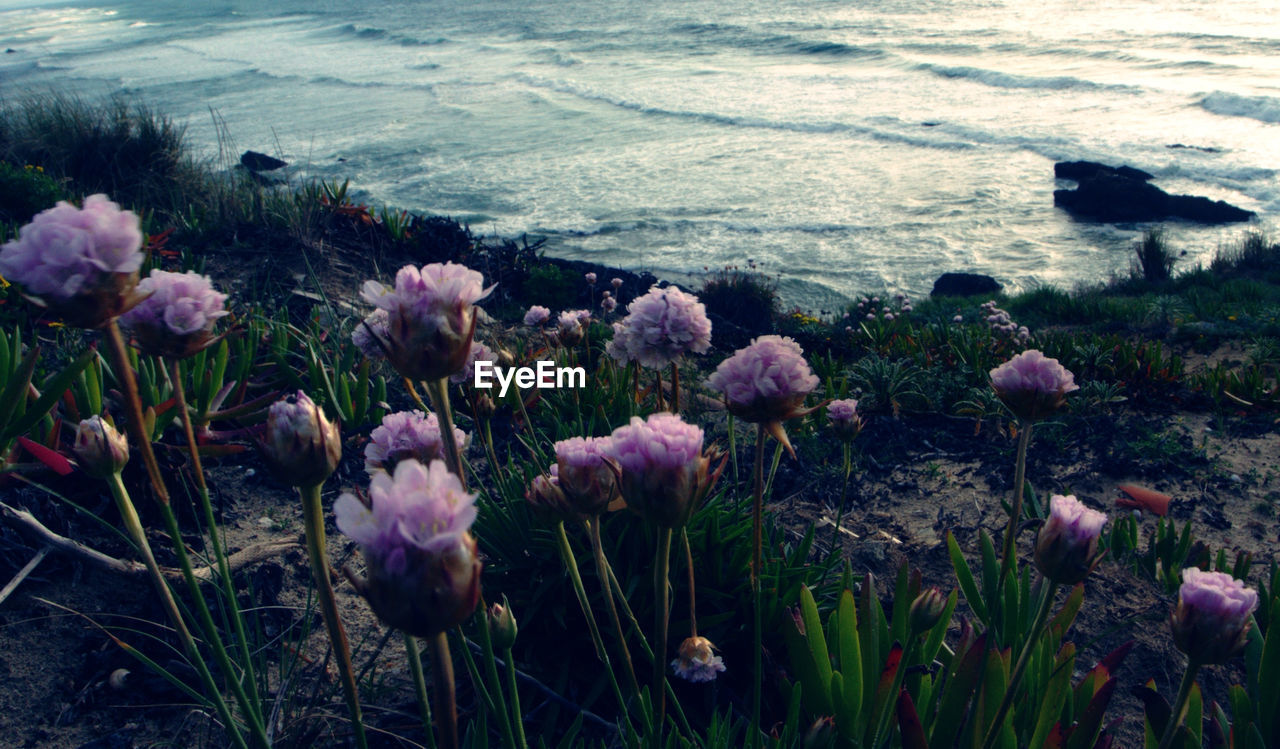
<point>1120,194</point>
<point>260,162</point>
<point>964,284</point>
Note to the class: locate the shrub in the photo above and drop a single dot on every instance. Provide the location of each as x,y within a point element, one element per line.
<point>742,305</point>
<point>25,191</point>
<point>1155,259</point>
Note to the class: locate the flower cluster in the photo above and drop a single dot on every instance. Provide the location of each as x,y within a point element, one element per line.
<point>430,317</point>
<point>81,261</point>
<point>663,472</point>
<point>536,316</point>
<point>176,318</point>
<point>766,381</point>
<point>1001,323</point>
<point>404,435</point>
<point>660,327</point>
<point>423,571</point>
<point>869,308</point>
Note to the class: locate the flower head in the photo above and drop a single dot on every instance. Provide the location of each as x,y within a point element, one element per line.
<point>546,498</point>
<point>663,471</point>
<point>1067,547</point>
<point>696,662</point>
<point>766,383</point>
<point>371,334</point>
<point>586,473</point>
<point>82,262</point>
<point>300,445</point>
<point>403,435</point>
<point>927,609</point>
<point>430,317</point>
<point>591,278</point>
<point>536,315</point>
<point>1032,385</point>
<point>176,319</point>
<point>479,352</point>
<point>99,449</point>
<point>608,304</point>
<point>502,624</point>
<point>569,326</point>
<point>616,283</point>
<point>844,418</point>
<point>663,325</point>
<point>1211,622</point>
<point>423,571</point>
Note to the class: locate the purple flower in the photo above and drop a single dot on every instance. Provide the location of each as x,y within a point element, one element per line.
<point>585,473</point>
<point>546,498</point>
<point>1211,622</point>
<point>369,334</point>
<point>1032,385</point>
<point>696,662</point>
<point>1067,547</point>
<point>569,326</point>
<point>430,317</point>
<point>888,316</point>
<point>662,326</point>
<point>617,283</point>
<point>423,572</point>
<point>766,381</point>
<point>91,255</point>
<point>664,473</point>
<point>844,418</point>
<point>479,352</point>
<point>177,319</point>
<point>536,315</point>
<point>404,435</point>
<point>591,278</point>
<point>300,445</point>
<point>608,304</point>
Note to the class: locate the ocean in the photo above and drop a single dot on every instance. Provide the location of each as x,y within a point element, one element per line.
<point>846,147</point>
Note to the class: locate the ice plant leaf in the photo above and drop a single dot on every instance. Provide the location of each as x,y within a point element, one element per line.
<point>909,723</point>
<point>850,656</point>
<point>956,694</point>
<point>1055,694</point>
<point>53,389</point>
<point>964,575</point>
<point>54,461</point>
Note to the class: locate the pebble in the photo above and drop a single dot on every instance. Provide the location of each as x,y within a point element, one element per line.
<point>266,522</point>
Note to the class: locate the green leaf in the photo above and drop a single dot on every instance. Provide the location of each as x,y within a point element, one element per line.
<point>956,694</point>
<point>817,645</point>
<point>15,392</point>
<point>1055,695</point>
<point>850,655</point>
<point>51,392</point>
<point>964,576</point>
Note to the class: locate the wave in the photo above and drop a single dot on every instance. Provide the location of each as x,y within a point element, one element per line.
<point>998,79</point>
<point>1260,108</point>
<point>375,33</point>
<point>743,121</point>
<point>744,38</point>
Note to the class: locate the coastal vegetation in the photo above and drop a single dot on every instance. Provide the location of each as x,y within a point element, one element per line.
<point>1040,519</point>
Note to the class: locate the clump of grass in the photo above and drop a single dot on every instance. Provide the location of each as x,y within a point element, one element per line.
<point>1254,252</point>
<point>742,304</point>
<point>1154,257</point>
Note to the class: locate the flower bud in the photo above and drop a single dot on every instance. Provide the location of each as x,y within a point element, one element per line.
<point>844,418</point>
<point>1067,547</point>
<point>1211,622</point>
<point>926,610</point>
<point>300,446</point>
<point>821,734</point>
<point>546,498</point>
<point>587,475</point>
<point>696,662</point>
<point>502,625</point>
<point>485,408</point>
<point>100,450</point>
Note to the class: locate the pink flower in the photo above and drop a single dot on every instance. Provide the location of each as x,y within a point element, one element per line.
<point>569,326</point>
<point>766,381</point>
<point>696,662</point>
<point>1211,622</point>
<point>844,418</point>
<point>479,352</point>
<point>300,446</point>
<point>608,304</point>
<point>664,473</point>
<point>546,498</point>
<point>585,473</point>
<point>370,332</point>
<point>423,572</point>
<point>91,255</point>
<point>99,449</point>
<point>958,318</point>
<point>617,283</point>
<point>591,278</point>
<point>663,325</point>
<point>1032,385</point>
<point>430,317</point>
<point>1067,547</point>
<point>536,315</point>
<point>404,435</point>
<point>177,319</point>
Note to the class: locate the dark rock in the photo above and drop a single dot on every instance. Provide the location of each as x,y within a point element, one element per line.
<point>260,162</point>
<point>1205,149</point>
<point>1078,170</point>
<point>1114,197</point>
<point>10,51</point>
<point>964,284</point>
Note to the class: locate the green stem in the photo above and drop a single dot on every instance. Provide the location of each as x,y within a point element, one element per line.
<point>446,702</point>
<point>419,686</point>
<point>219,554</point>
<point>1179,713</point>
<point>313,516</point>
<point>662,612</point>
<point>602,571</point>
<point>757,503</point>
<point>491,668</point>
<point>133,524</point>
<point>439,392</point>
<point>517,716</point>
<point>1024,657</point>
<point>693,594</point>
<point>675,388</point>
<point>571,564</point>
<point>1015,515</point>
